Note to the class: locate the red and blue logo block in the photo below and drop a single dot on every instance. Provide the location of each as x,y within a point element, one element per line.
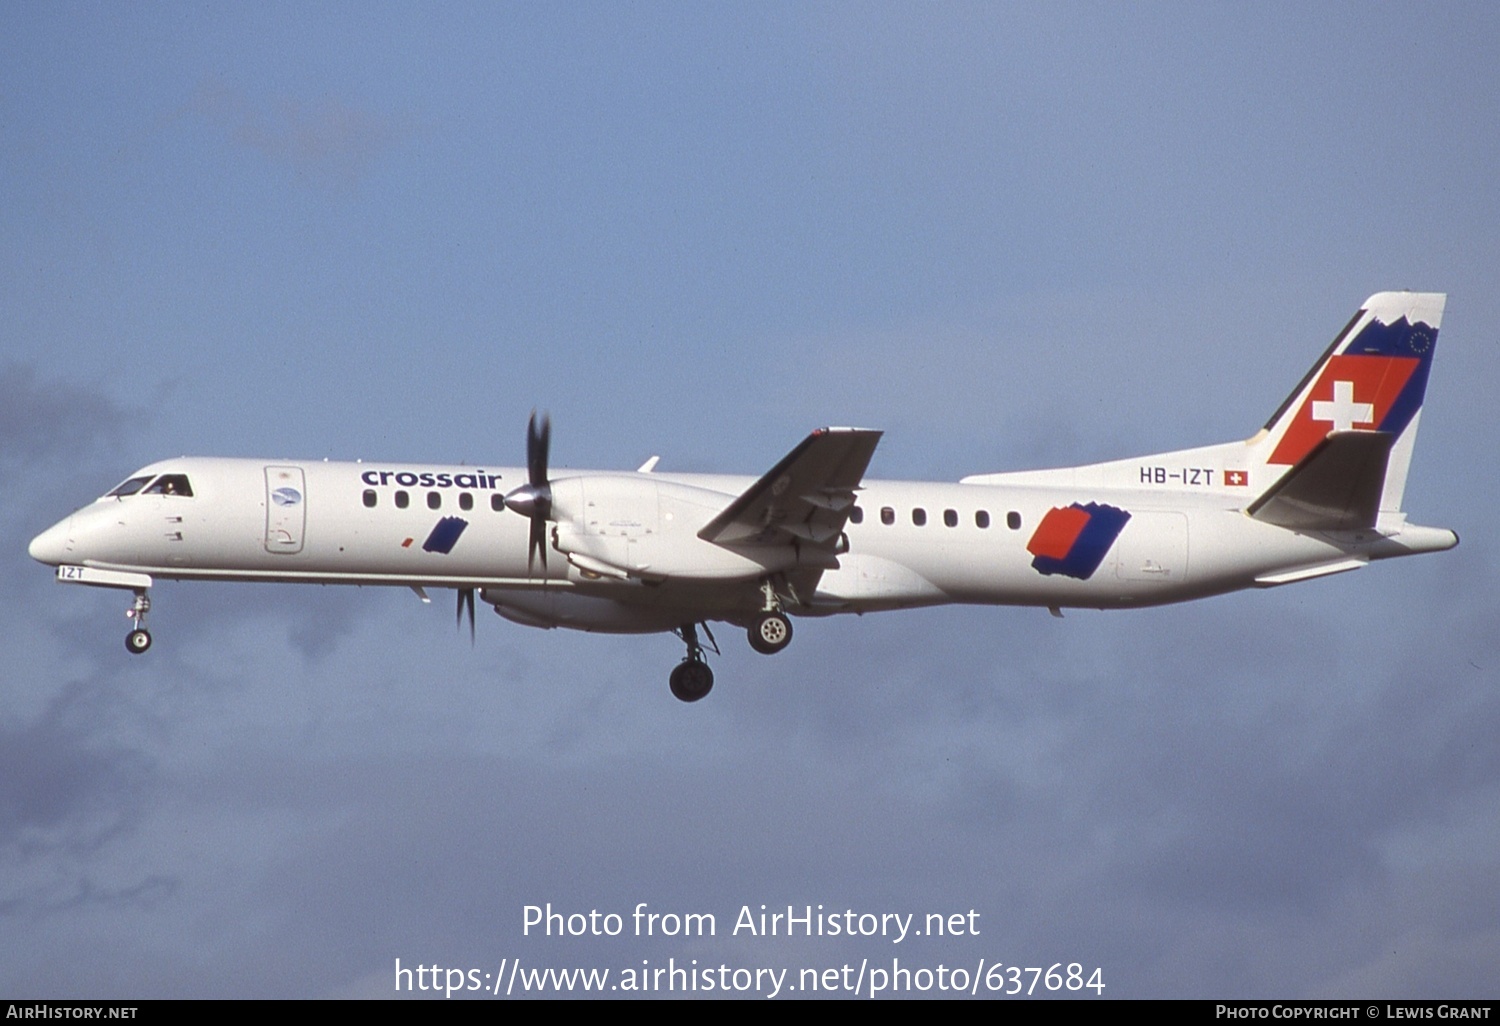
<point>1072,540</point>
<point>445,535</point>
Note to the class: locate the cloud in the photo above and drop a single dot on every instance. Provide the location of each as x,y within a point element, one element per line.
<point>70,790</point>
<point>323,139</point>
<point>53,420</point>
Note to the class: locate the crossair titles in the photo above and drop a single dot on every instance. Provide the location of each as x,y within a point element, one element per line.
<point>477,479</point>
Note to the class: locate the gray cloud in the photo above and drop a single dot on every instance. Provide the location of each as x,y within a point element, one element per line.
<point>324,139</point>
<point>53,420</point>
<point>71,791</point>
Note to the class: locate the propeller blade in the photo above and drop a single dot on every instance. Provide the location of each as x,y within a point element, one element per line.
<point>537,543</point>
<point>538,445</point>
<point>533,500</point>
<point>466,598</point>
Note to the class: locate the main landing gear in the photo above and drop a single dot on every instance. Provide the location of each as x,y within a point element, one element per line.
<point>139,639</point>
<point>692,679</point>
<point>770,631</point>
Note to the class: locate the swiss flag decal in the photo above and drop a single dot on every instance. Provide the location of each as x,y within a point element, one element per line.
<point>1352,392</point>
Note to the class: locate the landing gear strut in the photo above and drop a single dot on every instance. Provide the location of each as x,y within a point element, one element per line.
<point>692,679</point>
<point>139,639</point>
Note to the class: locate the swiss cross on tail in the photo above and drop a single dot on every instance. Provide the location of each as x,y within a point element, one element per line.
<point>1372,380</point>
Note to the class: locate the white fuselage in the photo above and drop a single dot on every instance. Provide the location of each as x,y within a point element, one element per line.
<point>641,566</point>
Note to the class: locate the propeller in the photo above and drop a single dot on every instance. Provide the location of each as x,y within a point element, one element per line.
<point>534,498</point>
<point>466,598</point>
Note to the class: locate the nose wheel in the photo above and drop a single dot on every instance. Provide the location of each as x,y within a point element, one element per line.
<point>139,639</point>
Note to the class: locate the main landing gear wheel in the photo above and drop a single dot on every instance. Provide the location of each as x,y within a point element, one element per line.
<point>770,633</point>
<point>691,680</point>
<point>138,641</point>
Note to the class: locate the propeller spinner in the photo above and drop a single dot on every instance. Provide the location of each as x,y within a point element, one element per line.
<point>534,499</point>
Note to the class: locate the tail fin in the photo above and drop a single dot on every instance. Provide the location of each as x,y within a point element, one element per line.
<point>1372,379</point>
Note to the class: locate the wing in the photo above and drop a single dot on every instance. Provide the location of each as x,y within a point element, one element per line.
<point>805,499</point>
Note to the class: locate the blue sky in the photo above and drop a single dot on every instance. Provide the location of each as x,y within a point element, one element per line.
<point>1008,235</point>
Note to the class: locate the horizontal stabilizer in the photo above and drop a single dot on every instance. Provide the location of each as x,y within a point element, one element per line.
<point>805,498</point>
<point>1335,487</point>
<point>1307,573</point>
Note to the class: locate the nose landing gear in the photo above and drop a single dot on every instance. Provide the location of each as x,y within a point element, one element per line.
<point>139,639</point>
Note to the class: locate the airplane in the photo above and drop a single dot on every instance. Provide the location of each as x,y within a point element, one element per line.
<point>1317,491</point>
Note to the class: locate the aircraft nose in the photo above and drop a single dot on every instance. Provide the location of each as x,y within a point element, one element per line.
<point>51,546</point>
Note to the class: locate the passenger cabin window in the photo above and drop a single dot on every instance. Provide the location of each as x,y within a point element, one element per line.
<point>887,516</point>
<point>856,515</point>
<point>369,498</point>
<point>402,500</point>
<point>465,500</point>
<point>950,517</point>
<point>171,484</point>
<point>434,500</point>
<point>1013,520</point>
<point>981,518</point>
<point>497,502</point>
<point>919,517</point>
<point>130,487</point>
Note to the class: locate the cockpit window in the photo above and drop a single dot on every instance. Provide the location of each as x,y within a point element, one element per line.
<point>170,484</point>
<point>130,487</point>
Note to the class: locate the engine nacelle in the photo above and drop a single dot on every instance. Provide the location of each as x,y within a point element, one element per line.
<point>634,526</point>
<point>559,607</point>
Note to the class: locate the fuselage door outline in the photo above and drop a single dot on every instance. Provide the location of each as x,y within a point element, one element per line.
<point>286,509</point>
